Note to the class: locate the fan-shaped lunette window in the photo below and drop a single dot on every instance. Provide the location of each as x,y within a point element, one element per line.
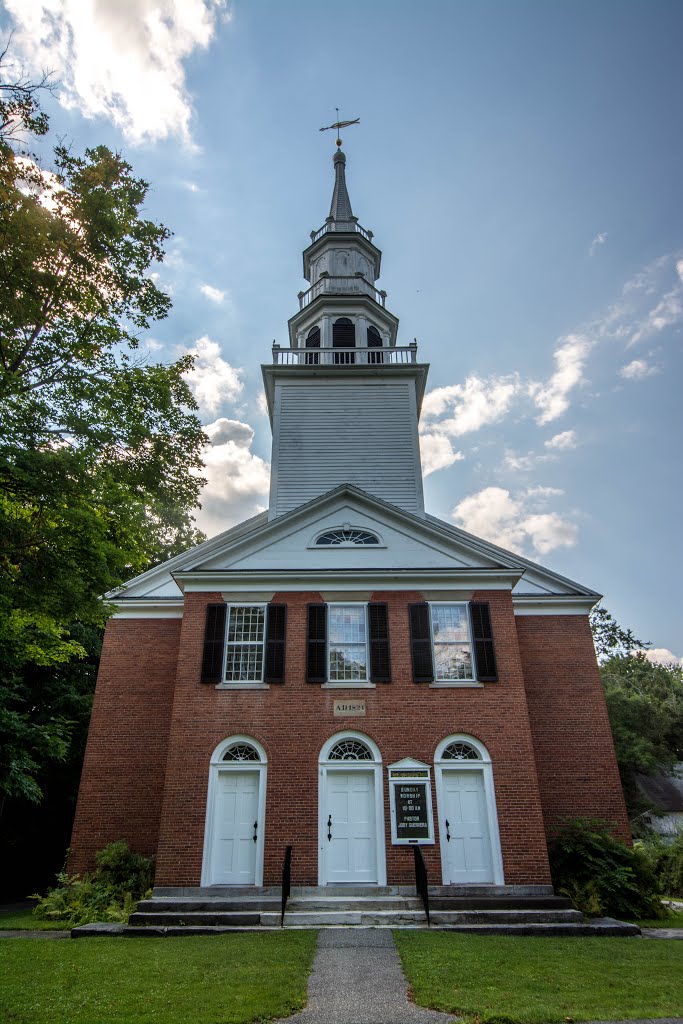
<point>460,751</point>
<point>350,750</point>
<point>241,752</point>
<point>342,536</point>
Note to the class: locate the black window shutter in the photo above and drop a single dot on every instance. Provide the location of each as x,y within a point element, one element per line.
<point>484,655</point>
<point>378,628</point>
<point>214,643</point>
<point>276,631</point>
<point>316,654</point>
<point>421,643</point>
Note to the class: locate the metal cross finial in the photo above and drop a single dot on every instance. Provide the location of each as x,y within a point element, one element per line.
<point>339,125</point>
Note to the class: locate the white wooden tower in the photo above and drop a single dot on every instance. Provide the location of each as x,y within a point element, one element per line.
<point>344,399</point>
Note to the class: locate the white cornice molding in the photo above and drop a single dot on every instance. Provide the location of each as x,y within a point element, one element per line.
<point>552,604</point>
<point>296,580</point>
<point>148,608</point>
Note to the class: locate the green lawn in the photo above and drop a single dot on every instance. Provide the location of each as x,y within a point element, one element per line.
<point>520,980</point>
<point>223,979</point>
<point>26,921</point>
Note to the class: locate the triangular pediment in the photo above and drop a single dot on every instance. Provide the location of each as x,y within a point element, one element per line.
<point>400,543</point>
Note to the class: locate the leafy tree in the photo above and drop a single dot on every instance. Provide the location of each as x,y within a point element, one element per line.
<point>100,454</point>
<point>609,637</point>
<point>645,707</point>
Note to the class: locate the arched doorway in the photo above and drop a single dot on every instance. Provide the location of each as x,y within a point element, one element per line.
<point>468,821</point>
<point>351,812</point>
<point>344,337</point>
<point>235,814</point>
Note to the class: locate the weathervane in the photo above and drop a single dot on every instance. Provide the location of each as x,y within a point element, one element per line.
<point>339,125</point>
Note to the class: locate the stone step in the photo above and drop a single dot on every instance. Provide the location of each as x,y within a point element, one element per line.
<point>231,919</point>
<point>347,918</point>
<point>488,917</point>
<point>336,903</point>
<point>596,926</point>
<point>247,904</point>
<point>500,903</point>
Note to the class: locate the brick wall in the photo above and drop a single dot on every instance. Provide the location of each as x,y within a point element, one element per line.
<point>125,759</point>
<point>577,769</point>
<point>293,721</point>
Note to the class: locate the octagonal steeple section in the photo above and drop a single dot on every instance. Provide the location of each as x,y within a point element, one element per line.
<point>342,265</point>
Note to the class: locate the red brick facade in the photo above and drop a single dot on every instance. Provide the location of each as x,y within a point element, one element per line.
<point>544,724</point>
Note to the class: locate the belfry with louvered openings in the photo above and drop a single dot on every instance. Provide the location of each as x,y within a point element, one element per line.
<point>345,675</point>
<point>344,398</point>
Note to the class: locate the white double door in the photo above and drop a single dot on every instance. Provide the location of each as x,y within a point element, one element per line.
<point>466,848</point>
<point>349,827</point>
<point>235,829</point>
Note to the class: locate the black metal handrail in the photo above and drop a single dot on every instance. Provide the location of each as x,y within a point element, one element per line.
<point>286,882</point>
<point>421,882</point>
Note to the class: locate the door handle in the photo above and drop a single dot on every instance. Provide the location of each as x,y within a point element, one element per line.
<point>448,835</point>
<point>255,828</point>
<point>329,829</point>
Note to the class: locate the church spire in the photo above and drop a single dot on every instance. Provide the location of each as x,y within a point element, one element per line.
<point>340,208</point>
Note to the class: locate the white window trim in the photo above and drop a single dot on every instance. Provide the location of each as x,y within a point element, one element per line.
<point>325,766</point>
<point>448,684</point>
<point>349,684</point>
<point>244,684</point>
<point>484,766</point>
<point>218,765</point>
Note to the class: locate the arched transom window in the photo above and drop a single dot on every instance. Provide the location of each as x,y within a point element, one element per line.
<point>460,750</point>
<point>241,751</point>
<point>350,750</point>
<point>346,535</point>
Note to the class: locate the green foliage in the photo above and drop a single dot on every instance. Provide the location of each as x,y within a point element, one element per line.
<point>669,868</point>
<point>100,454</point>
<point>110,893</point>
<point>645,707</point>
<point>609,637</point>
<point>601,874</point>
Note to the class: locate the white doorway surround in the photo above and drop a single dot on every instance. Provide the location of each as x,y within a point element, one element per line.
<point>235,814</point>
<point>468,821</point>
<point>350,812</point>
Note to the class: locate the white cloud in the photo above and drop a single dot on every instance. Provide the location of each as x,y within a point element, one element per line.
<point>661,656</point>
<point>552,398</point>
<point>121,59</point>
<point>515,522</point>
<point>599,240</point>
<point>212,380</point>
<point>563,441</point>
<point>471,406</point>
<point>437,453</point>
<point>667,312</point>
<point>237,480</point>
<point>679,270</point>
<point>637,369</point>
<point>191,187</point>
<point>213,294</point>
<point>519,463</point>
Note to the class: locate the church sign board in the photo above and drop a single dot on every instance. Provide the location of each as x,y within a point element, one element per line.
<point>410,793</point>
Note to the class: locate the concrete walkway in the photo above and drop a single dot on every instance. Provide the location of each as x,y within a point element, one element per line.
<point>357,979</point>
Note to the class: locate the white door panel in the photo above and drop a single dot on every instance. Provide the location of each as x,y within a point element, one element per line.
<point>351,852</point>
<point>464,824</point>
<point>233,859</point>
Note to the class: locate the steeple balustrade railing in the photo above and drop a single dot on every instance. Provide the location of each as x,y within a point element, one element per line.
<point>351,226</point>
<point>376,356</point>
<point>341,284</point>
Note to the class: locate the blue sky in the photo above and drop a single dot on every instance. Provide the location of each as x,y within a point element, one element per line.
<point>520,165</point>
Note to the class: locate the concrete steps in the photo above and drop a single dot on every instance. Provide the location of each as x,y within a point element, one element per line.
<point>495,910</point>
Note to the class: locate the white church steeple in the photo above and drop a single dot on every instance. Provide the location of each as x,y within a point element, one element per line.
<point>344,398</point>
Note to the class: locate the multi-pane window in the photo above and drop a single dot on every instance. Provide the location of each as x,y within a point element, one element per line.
<point>348,642</point>
<point>245,643</point>
<point>451,641</point>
